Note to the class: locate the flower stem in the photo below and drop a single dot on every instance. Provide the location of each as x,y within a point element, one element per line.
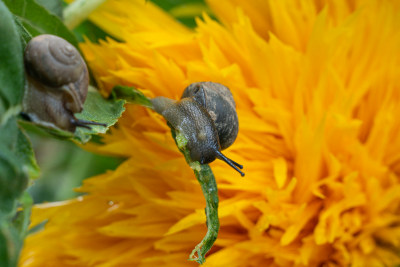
<point>208,185</point>
<point>78,11</point>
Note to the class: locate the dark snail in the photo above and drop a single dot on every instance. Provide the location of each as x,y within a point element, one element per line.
<point>57,83</point>
<point>206,116</point>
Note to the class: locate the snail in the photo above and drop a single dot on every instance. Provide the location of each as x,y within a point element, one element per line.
<point>206,116</point>
<point>57,83</point>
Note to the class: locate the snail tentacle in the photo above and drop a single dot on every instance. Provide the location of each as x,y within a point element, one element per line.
<point>230,162</point>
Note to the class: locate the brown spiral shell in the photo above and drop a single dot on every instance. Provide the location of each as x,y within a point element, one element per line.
<point>57,82</point>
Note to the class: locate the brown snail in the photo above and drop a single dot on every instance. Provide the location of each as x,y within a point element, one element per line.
<point>57,83</point>
<point>206,116</point>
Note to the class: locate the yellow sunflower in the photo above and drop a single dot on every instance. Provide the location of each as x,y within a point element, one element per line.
<point>317,87</point>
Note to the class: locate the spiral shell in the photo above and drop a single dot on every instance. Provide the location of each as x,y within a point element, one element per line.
<point>53,61</point>
<point>217,99</point>
<point>57,82</point>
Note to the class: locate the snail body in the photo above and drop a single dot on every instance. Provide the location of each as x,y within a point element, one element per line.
<point>190,116</point>
<point>57,83</point>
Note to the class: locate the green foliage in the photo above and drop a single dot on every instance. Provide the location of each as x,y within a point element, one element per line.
<point>12,181</point>
<point>19,21</point>
<point>22,219</point>
<point>24,35</point>
<point>184,11</point>
<point>53,6</point>
<point>17,162</point>
<point>13,169</point>
<point>13,231</point>
<point>11,64</point>
<point>25,154</point>
<point>63,171</point>
<point>10,244</point>
<point>91,32</point>
<point>37,20</point>
<point>98,109</point>
<point>131,95</point>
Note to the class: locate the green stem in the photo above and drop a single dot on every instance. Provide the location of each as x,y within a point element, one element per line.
<point>208,185</point>
<point>78,11</point>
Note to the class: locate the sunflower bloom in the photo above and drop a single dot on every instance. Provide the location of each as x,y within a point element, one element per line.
<point>317,87</point>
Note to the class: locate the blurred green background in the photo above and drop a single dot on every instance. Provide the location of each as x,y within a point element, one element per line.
<point>63,167</point>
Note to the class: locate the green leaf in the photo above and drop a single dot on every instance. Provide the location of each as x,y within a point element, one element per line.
<point>14,141</point>
<point>90,31</point>
<point>24,35</point>
<point>11,63</point>
<point>185,11</point>
<point>12,183</point>
<point>99,109</point>
<point>37,20</point>
<point>26,155</point>
<point>131,95</point>
<point>17,162</point>
<point>54,6</point>
<point>8,137</point>
<point>45,131</point>
<point>3,107</point>
<point>170,4</point>
<point>10,244</point>
<point>22,219</point>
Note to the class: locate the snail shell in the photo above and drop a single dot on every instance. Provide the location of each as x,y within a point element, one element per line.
<point>217,99</point>
<point>53,61</point>
<point>191,117</point>
<point>57,83</point>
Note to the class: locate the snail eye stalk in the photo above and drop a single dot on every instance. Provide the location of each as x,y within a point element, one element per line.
<point>85,124</point>
<point>230,162</point>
